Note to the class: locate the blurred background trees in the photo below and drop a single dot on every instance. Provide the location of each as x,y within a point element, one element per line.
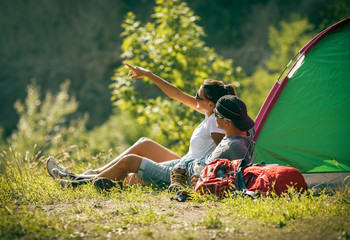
<point>48,42</point>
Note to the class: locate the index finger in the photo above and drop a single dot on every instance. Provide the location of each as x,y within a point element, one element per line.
<point>128,65</point>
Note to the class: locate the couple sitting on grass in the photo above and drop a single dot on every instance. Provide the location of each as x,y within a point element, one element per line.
<point>225,132</point>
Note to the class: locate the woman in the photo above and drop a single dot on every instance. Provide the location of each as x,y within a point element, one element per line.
<point>204,138</point>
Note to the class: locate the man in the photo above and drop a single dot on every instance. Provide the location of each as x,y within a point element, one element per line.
<point>231,116</point>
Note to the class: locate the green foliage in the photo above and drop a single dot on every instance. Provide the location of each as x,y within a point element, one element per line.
<point>117,134</point>
<point>46,123</point>
<point>285,42</point>
<point>46,127</point>
<point>171,46</point>
<point>336,11</point>
<point>255,88</point>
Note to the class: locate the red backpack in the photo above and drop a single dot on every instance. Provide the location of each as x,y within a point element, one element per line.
<point>219,177</point>
<point>273,178</point>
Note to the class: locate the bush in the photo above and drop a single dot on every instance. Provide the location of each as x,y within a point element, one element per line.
<point>46,124</point>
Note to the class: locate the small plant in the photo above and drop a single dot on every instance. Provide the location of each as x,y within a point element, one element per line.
<point>212,219</point>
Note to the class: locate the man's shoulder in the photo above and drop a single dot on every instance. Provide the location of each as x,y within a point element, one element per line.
<point>238,139</point>
<point>239,142</point>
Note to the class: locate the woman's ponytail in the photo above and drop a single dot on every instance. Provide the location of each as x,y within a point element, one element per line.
<point>230,90</point>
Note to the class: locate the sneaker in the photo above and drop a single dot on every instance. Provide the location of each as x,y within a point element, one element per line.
<point>72,183</point>
<point>90,172</point>
<point>57,174</point>
<point>106,184</point>
<point>64,183</point>
<point>51,163</point>
<point>179,179</point>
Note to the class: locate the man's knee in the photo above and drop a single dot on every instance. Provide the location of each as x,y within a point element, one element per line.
<point>130,162</point>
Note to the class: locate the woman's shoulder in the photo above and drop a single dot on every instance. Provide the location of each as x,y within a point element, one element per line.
<point>212,126</point>
<point>208,119</point>
<point>211,118</point>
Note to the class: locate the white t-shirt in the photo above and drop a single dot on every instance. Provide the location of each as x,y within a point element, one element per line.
<point>202,144</point>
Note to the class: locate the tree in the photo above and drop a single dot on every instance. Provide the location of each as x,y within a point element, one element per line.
<point>172,47</point>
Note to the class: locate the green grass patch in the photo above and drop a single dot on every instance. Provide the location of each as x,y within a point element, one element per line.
<point>33,206</point>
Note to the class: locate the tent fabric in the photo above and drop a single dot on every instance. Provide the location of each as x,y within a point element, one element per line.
<point>305,121</point>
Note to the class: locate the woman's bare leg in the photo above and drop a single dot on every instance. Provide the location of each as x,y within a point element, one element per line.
<point>145,147</point>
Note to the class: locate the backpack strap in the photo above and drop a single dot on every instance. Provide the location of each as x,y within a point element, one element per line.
<point>248,158</point>
<point>240,185</point>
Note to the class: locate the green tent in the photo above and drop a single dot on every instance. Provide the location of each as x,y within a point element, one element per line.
<point>305,120</point>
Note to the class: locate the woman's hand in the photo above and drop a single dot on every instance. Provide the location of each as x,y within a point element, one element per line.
<point>168,88</point>
<point>137,72</point>
<point>194,180</point>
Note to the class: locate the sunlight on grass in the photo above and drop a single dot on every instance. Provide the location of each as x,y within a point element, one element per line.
<point>34,206</point>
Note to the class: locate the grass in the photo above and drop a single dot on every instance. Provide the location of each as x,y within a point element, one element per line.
<point>32,206</point>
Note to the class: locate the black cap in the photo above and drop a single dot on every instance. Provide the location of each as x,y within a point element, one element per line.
<point>234,109</point>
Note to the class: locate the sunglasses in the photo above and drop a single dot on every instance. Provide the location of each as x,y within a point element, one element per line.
<point>218,116</point>
<point>202,99</point>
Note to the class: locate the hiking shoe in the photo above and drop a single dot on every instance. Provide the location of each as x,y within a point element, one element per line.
<point>51,163</point>
<point>179,179</point>
<point>106,184</point>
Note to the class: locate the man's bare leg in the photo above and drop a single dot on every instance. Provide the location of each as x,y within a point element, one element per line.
<point>120,170</point>
<point>144,147</point>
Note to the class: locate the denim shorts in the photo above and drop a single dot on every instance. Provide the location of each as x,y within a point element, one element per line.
<point>158,174</point>
<point>189,164</point>
<point>155,173</point>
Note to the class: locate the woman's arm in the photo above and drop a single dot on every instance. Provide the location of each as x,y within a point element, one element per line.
<point>169,89</point>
